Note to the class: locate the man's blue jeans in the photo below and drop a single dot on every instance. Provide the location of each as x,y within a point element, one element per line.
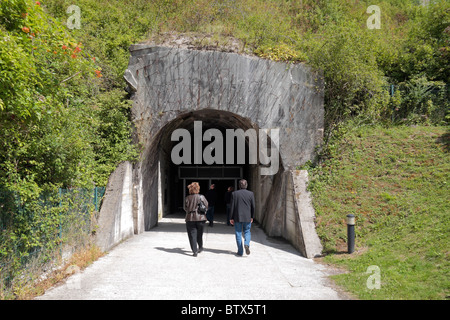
<point>240,227</point>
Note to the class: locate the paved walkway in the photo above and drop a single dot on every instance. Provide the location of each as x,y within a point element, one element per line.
<point>159,265</point>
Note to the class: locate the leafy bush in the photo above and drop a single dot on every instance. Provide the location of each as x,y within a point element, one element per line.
<point>58,129</point>
<point>281,53</point>
<point>53,127</point>
<point>354,83</point>
<point>35,234</point>
<point>421,101</point>
<point>38,64</point>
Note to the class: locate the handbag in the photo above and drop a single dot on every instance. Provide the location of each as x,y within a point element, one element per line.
<point>201,207</point>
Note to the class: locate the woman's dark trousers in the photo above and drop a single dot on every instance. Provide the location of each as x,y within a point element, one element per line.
<point>195,234</point>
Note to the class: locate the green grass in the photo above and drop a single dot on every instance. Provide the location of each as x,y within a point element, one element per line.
<point>396,182</point>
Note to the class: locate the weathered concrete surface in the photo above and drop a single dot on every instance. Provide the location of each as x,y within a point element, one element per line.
<point>170,82</point>
<point>158,264</point>
<point>307,240</point>
<point>115,220</point>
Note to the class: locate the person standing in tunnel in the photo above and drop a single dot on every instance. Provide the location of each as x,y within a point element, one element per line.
<point>227,200</point>
<point>195,221</point>
<point>242,211</point>
<point>211,196</point>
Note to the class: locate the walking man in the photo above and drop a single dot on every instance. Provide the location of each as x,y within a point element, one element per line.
<point>242,211</point>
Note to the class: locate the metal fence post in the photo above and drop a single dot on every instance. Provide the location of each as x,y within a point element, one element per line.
<point>95,199</point>
<point>60,221</point>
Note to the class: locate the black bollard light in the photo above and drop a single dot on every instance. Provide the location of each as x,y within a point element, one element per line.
<point>350,233</point>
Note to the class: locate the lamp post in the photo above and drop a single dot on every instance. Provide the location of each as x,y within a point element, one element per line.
<point>350,233</point>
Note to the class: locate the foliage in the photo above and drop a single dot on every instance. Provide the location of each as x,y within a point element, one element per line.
<point>426,49</point>
<point>113,144</point>
<point>358,63</point>
<point>354,83</point>
<point>54,131</point>
<point>36,232</point>
<point>396,182</point>
<point>281,53</point>
<point>58,128</point>
<point>108,28</point>
<point>420,100</point>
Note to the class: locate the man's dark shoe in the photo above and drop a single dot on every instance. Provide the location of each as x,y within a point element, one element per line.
<point>200,250</point>
<point>195,254</point>
<point>247,249</point>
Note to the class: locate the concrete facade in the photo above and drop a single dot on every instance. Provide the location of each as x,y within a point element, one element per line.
<point>171,88</point>
<point>115,220</point>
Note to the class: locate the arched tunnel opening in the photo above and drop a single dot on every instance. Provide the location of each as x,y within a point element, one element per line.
<point>213,154</point>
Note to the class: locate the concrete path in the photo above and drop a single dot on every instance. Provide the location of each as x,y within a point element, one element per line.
<point>159,265</point>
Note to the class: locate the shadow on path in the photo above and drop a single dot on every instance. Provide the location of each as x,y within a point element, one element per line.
<point>158,264</point>
<point>175,223</point>
<point>175,250</point>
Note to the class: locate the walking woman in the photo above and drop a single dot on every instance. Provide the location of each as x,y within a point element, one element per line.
<point>195,221</point>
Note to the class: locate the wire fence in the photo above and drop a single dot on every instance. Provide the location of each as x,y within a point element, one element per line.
<point>36,233</point>
<point>420,100</point>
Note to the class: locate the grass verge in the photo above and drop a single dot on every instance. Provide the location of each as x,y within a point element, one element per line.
<point>36,285</point>
<point>396,182</point>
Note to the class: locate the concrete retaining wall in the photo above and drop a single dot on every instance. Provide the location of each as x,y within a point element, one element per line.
<point>115,222</point>
<point>300,227</point>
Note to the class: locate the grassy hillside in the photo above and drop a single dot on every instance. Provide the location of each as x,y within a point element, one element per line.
<point>396,182</point>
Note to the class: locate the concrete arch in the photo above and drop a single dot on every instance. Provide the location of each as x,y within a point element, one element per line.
<point>162,172</point>
<point>171,88</point>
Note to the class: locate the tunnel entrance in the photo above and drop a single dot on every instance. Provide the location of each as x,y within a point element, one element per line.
<point>226,171</point>
<point>222,177</point>
<point>173,90</point>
